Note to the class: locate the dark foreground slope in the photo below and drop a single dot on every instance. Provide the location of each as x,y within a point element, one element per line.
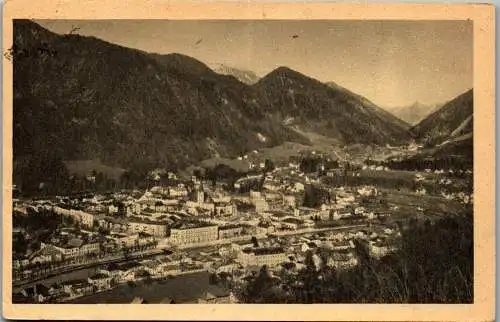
<point>83,98</point>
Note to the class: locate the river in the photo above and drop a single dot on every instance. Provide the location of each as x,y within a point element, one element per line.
<point>182,288</point>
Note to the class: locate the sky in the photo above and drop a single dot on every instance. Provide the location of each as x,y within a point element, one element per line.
<point>392,63</point>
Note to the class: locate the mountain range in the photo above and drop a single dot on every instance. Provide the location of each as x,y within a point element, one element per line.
<point>83,98</point>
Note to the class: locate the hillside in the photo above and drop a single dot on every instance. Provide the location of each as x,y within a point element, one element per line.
<point>298,100</point>
<point>455,118</point>
<point>83,98</point>
<point>396,120</point>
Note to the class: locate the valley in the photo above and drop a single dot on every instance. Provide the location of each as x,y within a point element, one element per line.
<point>143,177</point>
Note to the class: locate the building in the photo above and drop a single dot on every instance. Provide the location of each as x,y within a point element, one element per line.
<point>155,228</point>
<point>277,215</point>
<point>289,201</point>
<point>260,205</point>
<point>101,281</point>
<point>230,231</point>
<point>192,233</point>
<point>200,196</point>
<point>20,262</point>
<point>367,191</point>
<point>379,249</point>
<point>173,268</point>
<point>38,293</point>
<point>76,288</point>
<point>225,209</point>
<point>292,223</point>
<point>196,208</point>
<point>179,191</point>
<point>45,255</point>
<point>299,187</point>
<point>255,195</point>
<point>125,271</point>
<point>216,296</point>
<point>113,224</point>
<point>112,209</point>
<point>153,267</point>
<point>84,218</point>
<point>262,256</point>
<point>342,260</point>
<point>126,241</point>
<point>74,248</point>
<point>133,208</point>
<point>159,190</point>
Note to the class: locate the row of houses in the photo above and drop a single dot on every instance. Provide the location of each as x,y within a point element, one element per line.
<point>84,218</point>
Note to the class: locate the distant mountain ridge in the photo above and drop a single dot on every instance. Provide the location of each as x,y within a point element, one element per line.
<point>245,76</point>
<point>415,112</point>
<point>84,98</point>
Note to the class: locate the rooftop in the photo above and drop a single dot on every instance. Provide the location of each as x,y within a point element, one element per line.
<point>99,276</point>
<point>232,226</point>
<point>135,219</point>
<point>115,220</point>
<point>293,221</point>
<point>264,251</point>
<point>222,203</point>
<point>279,214</point>
<point>72,242</point>
<point>74,282</point>
<point>127,266</point>
<point>194,224</point>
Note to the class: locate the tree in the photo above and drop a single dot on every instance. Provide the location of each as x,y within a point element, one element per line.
<point>148,279</point>
<point>213,279</point>
<point>314,197</point>
<point>261,289</point>
<point>131,284</point>
<point>268,165</point>
<point>44,167</point>
<point>309,164</point>
<point>255,242</point>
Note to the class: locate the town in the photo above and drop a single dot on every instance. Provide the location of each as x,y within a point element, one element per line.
<point>111,246</point>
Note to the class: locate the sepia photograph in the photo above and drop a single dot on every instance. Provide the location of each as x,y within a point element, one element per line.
<point>243,161</point>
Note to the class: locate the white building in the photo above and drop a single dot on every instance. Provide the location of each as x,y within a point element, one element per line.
<point>262,256</point>
<point>194,234</point>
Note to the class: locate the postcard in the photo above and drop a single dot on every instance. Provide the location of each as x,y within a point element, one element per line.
<point>248,161</point>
